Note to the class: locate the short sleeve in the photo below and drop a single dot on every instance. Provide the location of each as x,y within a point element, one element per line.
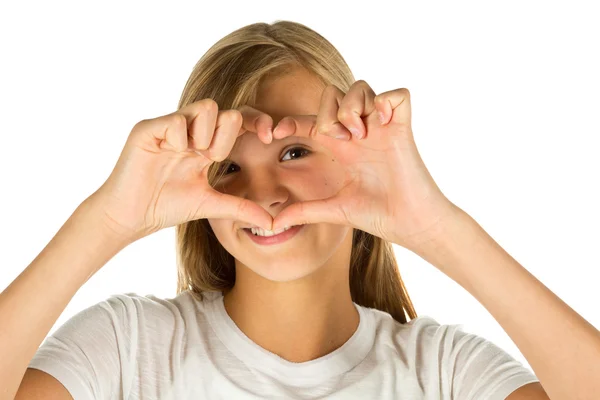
<point>89,353</point>
<point>479,369</point>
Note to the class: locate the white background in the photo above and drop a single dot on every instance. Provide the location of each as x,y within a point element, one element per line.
<point>505,102</point>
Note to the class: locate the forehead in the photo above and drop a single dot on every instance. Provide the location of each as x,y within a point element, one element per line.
<point>295,92</point>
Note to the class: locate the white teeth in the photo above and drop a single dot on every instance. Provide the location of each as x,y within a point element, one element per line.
<point>264,232</point>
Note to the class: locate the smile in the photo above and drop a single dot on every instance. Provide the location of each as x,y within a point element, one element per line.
<point>280,237</point>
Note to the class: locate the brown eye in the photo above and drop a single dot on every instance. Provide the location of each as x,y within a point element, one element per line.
<point>228,168</point>
<point>295,152</point>
<point>298,151</point>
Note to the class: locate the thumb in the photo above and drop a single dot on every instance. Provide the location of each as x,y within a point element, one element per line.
<point>395,104</point>
<point>232,207</point>
<point>328,210</point>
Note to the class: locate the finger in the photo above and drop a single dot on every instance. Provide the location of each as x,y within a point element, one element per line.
<point>324,123</point>
<point>166,132</point>
<point>357,103</point>
<point>201,118</point>
<point>297,125</point>
<point>232,207</point>
<point>229,123</point>
<point>257,121</point>
<point>233,123</point>
<point>327,118</point>
<point>328,210</point>
<point>395,106</point>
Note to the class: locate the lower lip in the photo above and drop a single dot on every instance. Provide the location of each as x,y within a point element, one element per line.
<point>275,239</point>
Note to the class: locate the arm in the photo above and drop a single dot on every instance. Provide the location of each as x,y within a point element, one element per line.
<point>32,303</point>
<point>37,384</point>
<point>562,348</point>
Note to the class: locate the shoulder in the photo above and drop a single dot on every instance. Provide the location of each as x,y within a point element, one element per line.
<point>426,342</point>
<point>134,334</point>
<point>132,312</point>
<point>150,308</point>
<point>420,329</point>
<point>467,364</point>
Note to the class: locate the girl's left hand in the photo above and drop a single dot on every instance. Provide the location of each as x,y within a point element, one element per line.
<point>388,191</point>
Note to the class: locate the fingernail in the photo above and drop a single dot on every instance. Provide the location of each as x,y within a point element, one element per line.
<point>270,138</point>
<point>274,130</point>
<point>342,136</point>
<point>355,132</point>
<point>381,117</point>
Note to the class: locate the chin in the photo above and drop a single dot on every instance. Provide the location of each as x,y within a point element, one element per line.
<point>300,257</point>
<point>282,269</point>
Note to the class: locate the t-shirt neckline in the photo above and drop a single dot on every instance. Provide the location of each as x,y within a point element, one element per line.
<point>339,361</point>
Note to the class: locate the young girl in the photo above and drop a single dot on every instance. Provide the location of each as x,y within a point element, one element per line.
<point>287,282</point>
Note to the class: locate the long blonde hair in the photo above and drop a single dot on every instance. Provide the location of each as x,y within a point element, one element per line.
<point>230,73</point>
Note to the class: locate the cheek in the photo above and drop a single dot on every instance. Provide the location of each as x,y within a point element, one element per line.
<point>219,227</point>
<point>223,230</point>
<point>318,179</point>
<point>318,182</point>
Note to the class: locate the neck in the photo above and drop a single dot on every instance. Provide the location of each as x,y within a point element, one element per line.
<point>298,320</point>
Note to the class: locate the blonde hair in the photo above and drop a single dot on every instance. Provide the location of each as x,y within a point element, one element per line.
<point>230,73</point>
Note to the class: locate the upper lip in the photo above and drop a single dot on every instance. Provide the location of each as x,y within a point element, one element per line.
<point>252,226</point>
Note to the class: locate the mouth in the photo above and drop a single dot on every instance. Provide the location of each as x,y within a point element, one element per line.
<point>263,237</point>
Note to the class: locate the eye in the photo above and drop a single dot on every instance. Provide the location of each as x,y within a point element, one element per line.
<point>296,150</point>
<point>227,168</point>
<point>299,152</point>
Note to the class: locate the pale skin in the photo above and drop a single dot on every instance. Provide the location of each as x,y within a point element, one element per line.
<point>562,347</point>
<point>295,292</point>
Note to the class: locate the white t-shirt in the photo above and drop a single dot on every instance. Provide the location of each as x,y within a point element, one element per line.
<point>143,347</point>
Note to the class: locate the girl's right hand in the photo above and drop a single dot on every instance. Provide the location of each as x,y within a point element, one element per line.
<point>160,179</point>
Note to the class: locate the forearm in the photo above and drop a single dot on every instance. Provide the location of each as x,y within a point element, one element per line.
<point>32,303</point>
<point>562,348</point>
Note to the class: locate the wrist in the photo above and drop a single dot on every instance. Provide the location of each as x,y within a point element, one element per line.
<point>453,236</point>
<point>92,211</point>
<point>437,236</point>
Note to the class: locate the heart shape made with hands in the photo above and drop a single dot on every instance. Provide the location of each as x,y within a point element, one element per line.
<point>387,190</point>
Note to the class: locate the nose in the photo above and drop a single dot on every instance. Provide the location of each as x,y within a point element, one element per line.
<point>266,189</point>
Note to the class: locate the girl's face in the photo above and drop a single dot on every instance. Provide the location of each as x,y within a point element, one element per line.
<point>278,174</point>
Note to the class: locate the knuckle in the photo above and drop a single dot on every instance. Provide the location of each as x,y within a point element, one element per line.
<point>209,105</point>
<point>177,119</point>
<point>231,118</point>
<point>362,85</point>
<point>323,128</point>
<point>345,115</point>
<point>365,87</point>
<point>234,116</point>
